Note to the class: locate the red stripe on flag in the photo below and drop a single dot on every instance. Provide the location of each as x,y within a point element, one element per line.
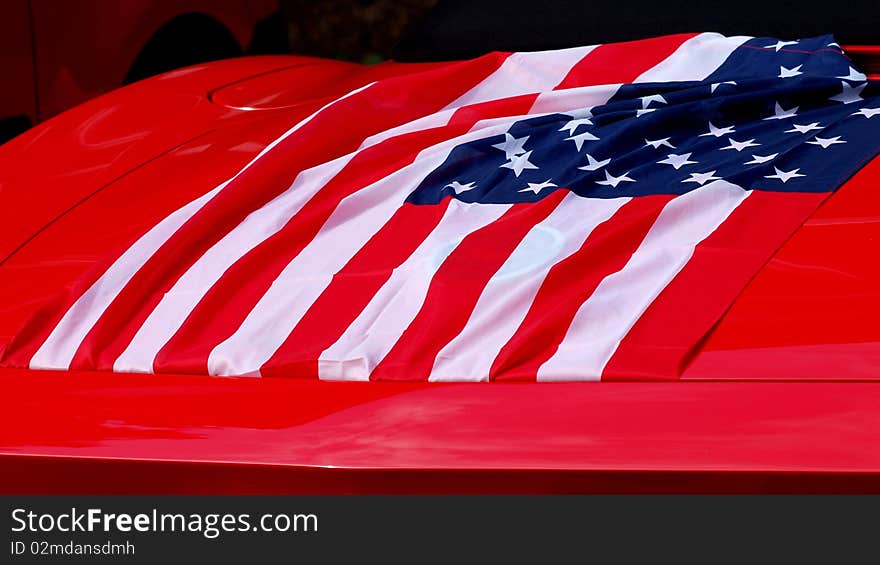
<point>351,290</point>
<point>622,62</point>
<point>605,251</point>
<point>659,345</point>
<point>456,287</point>
<point>466,117</point>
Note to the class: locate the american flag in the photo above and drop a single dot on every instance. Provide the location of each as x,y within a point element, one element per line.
<point>577,214</point>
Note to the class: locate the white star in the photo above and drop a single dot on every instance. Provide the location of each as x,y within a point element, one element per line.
<point>572,125</point>
<point>643,111</point>
<point>797,128</point>
<point>717,132</point>
<point>780,114</point>
<point>580,138</point>
<point>758,159</point>
<point>785,72</point>
<point>459,188</point>
<point>519,162</point>
<point>537,187</point>
<point>780,44</point>
<point>611,180</point>
<point>646,100</point>
<point>784,176</point>
<point>702,178</point>
<point>867,112</point>
<point>714,86</point>
<point>677,161</point>
<point>826,142</point>
<point>511,145</point>
<point>854,75</point>
<point>849,94</point>
<point>657,143</point>
<point>740,145</point>
<point>593,164</point>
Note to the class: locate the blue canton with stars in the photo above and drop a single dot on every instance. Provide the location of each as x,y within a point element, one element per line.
<point>777,115</point>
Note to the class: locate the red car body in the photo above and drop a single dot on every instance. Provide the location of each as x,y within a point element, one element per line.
<point>783,396</point>
<point>55,55</point>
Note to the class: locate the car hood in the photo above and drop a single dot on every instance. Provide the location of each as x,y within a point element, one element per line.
<point>80,185</point>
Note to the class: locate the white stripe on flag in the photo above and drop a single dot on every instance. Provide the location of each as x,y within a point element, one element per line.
<point>621,298</point>
<point>435,120</point>
<point>381,323</point>
<point>59,348</point>
<point>696,59</point>
<point>561,100</point>
<point>524,73</point>
<point>507,297</point>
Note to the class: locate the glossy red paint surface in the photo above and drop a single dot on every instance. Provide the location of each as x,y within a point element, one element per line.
<point>392,437</point>
<point>89,181</point>
<point>313,78</point>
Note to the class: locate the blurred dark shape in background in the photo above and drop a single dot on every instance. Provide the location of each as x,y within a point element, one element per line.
<point>362,31</point>
<point>55,55</point>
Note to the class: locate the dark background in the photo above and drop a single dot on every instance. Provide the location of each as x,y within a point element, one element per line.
<point>466,28</point>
